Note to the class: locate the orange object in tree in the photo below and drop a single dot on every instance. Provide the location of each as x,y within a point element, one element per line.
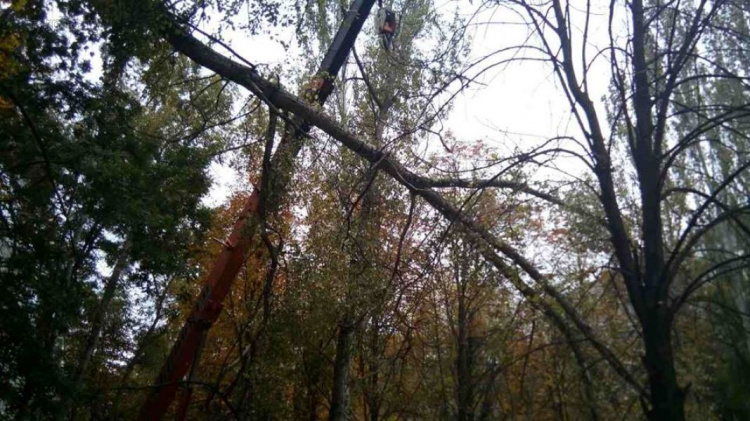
<point>387,21</point>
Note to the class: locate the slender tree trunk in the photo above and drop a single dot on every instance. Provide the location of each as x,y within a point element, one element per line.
<point>464,361</point>
<point>373,396</point>
<point>97,322</point>
<point>97,318</point>
<point>341,371</point>
<point>364,223</point>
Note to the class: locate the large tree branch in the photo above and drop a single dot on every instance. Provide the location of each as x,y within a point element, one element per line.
<point>418,185</point>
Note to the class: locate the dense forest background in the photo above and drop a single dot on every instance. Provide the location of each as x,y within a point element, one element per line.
<point>390,267</point>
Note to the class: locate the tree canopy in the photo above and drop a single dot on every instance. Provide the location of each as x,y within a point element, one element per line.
<point>373,258</point>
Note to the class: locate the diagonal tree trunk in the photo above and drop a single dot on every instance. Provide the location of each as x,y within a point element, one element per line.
<point>465,351</point>
<point>340,395</point>
<point>100,313</point>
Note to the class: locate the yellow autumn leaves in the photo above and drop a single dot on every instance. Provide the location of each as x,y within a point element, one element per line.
<point>10,43</point>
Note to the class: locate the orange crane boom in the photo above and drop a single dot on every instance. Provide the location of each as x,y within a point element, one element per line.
<point>235,250</point>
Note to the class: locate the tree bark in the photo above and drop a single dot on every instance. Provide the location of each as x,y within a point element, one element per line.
<point>667,398</point>
<point>648,287</point>
<point>340,394</point>
<point>465,355</point>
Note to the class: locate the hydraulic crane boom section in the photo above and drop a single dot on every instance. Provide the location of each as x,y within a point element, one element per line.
<point>342,44</point>
<point>235,250</point>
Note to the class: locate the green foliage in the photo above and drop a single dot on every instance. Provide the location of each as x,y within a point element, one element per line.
<point>358,296</point>
<point>714,157</point>
<point>86,169</point>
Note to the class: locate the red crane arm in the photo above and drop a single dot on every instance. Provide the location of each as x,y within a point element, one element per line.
<point>206,311</point>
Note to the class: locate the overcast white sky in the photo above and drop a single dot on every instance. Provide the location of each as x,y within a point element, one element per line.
<point>517,104</point>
